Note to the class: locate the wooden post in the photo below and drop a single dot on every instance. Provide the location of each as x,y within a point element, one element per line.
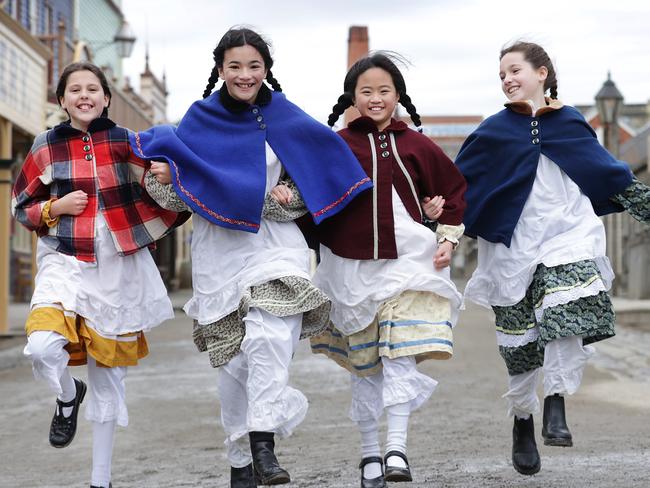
<point>5,223</point>
<point>61,46</point>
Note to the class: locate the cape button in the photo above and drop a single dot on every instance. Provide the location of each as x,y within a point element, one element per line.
<point>383,145</point>
<point>534,132</point>
<point>535,140</point>
<point>86,148</point>
<point>534,123</point>
<point>385,154</point>
<point>262,126</point>
<point>382,137</point>
<point>89,157</point>
<point>85,138</point>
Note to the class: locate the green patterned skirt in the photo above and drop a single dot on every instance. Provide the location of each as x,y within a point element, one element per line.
<point>282,297</point>
<point>562,301</point>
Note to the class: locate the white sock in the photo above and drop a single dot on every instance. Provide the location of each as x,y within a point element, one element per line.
<point>102,452</point>
<point>369,431</point>
<point>397,418</point>
<point>69,391</point>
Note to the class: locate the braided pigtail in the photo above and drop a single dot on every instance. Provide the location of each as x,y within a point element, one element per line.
<point>406,102</point>
<point>342,103</point>
<point>212,81</point>
<point>273,82</point>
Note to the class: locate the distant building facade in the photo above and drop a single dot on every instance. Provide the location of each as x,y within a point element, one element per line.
<point>37,39</point>
<point>628,241</point>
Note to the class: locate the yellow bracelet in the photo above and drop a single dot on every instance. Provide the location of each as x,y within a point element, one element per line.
<point>45,214</point>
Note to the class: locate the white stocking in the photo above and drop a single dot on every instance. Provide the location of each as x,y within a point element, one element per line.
<point>102,452</point>
<point>369,431</point>
<point>397,417</point>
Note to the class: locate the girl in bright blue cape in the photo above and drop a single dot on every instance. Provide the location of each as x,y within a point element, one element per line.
<point>230,159</point>
<point>217,158</point>
<point>537,179</point>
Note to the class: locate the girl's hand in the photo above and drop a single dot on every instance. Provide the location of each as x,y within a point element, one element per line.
<point>432,207</point>
<point>162,172</point>
<point>442,259</point>
<point>71,204</point>
<point>282,194</point>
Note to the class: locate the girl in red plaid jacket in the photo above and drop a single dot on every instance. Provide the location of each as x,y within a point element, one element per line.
<point>97,287</point>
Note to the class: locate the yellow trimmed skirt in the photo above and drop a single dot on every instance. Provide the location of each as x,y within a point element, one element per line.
<point>414,323</point>
<point>108,351</point>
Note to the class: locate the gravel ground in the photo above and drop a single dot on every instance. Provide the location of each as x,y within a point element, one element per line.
<point>459,438</point>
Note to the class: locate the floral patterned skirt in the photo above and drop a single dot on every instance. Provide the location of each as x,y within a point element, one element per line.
<point>281,297</point>
<point>562,301</point>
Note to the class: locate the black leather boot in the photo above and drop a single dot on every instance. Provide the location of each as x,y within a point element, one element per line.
<point>377,482</point>
<point>525,457</point>
<point>242,477</point>
<point>63,429</point>
<point>265,464</point>
<point>554,430</point>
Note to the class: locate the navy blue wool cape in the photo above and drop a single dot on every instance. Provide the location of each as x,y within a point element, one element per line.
<point>217,159</point>
<point>499,161</point>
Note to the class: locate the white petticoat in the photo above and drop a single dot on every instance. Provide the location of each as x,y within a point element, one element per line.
<point>226,262</point>
<point>115,295</point>
<point>358,287</point>
<point>557,226</point>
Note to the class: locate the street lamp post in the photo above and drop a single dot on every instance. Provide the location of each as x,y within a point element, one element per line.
<point>608,102</point>
<point>124,41</point>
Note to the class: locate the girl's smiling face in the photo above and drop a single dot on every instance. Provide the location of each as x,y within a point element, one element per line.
<point>520,81</point>
<point>84,99</point>
<point>375,96</point>
<point>243,71</point>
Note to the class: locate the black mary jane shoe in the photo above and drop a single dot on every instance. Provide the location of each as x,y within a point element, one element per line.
<point>393,473</point>
<point>110,485</point>
<point>266,466</point>
<point>379,481</point>
<point>63,429</point>
<point>242,477</point>
<point>554,428</point>
<point>525,457</point>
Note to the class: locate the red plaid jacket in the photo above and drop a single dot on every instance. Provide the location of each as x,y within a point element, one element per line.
<point>101,163</point>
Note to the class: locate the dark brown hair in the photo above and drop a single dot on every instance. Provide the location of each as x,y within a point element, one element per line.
<point>537,56</point>
<point>83,66</point>
<point>237,37</point>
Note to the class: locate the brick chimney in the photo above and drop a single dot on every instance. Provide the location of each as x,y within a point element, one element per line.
<point>357,43</point>
<point>357,48</point>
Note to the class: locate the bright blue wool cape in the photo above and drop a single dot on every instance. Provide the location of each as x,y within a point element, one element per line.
<point>218,159</point>
<point>499,162</point>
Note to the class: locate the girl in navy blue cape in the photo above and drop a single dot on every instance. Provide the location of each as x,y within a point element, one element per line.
<point>253,298</point>
<point>537,180</point>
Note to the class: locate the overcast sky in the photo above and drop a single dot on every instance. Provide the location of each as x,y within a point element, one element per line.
<point>453,46</point>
